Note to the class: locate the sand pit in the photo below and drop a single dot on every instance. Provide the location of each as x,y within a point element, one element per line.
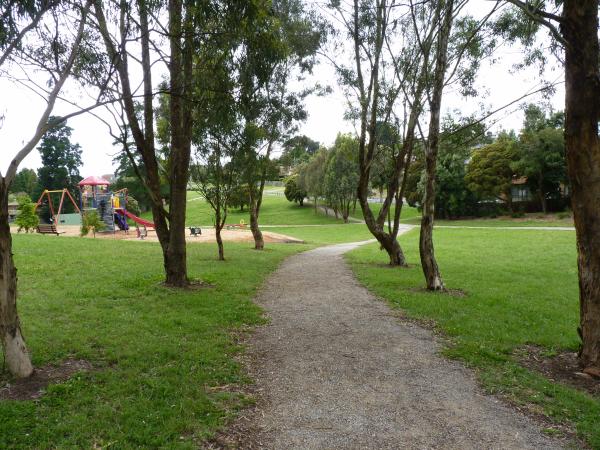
<point>208,235</point>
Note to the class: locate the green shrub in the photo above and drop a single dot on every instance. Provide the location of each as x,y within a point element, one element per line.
<point>91,222</point>
<point>133,206</point>
<point>27,219</point>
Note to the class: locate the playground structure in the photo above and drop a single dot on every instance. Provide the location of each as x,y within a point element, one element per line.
<point>95,195</point>
<point>111,206</point>
<point>47,196</point>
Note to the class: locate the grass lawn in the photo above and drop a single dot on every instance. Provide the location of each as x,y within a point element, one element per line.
<point>530,220</point>
<point>521,288</point>
<point>326,234</point>
<point>159,355</point>
<point>408,212</point>
<point>275,210</point>
<point>163,359</point>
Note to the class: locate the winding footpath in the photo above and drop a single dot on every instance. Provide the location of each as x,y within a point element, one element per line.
<point>336,368</point>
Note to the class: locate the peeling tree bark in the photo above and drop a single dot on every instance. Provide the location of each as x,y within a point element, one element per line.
<point>255,202</point>
<point>582,107</point>
<point>429,264</point>
<point>16,355</point>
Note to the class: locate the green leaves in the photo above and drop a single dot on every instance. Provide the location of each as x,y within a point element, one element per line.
<point>489,173</point>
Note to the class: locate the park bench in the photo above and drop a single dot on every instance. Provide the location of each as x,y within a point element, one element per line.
<point>43,228</point>
<point>195,231</point>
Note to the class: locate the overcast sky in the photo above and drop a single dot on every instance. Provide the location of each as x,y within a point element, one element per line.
<point>498,86</point>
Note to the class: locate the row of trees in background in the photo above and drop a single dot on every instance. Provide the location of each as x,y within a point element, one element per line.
<point>331,174</point>
<point>477,173</point>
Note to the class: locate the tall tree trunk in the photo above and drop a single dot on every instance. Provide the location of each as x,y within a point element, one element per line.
<point>180,73</point>
<point>170,226</point>
<point>176,255</point>
<point>345,211</point>
<point>16,355</point>
<point>220,242</point>
<point>429,264</point>
<point>259,242</point>
<point>582,107</point>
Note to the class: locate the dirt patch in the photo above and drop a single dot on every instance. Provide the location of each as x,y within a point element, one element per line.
<point>208,235</point>
<point>563,367</point>
<point>35,386</point>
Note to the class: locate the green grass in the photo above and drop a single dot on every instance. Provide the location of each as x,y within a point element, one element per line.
<point>521,289</point>
<point>531,220</point>
<point>408,212</point>
<point>326,234</point>
<point>157,353</point>
<point>275,210</point>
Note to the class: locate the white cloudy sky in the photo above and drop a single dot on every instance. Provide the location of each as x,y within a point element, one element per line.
<point>21,109</point>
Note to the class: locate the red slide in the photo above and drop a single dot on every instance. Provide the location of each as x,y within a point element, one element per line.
<point>136,219</point>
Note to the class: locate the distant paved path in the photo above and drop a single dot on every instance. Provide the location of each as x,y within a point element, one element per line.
<point>336,369</point>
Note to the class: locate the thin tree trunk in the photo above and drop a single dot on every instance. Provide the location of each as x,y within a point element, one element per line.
<point>582,107</point>
<point>16,355</point>
<point>259,242</point>
<point>220,242</point>
<point>429,264</point>
<point>345,210</point>
<point>543,202</point>
<point>542,195</point>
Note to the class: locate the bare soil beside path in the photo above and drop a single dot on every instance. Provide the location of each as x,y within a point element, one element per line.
<point>336,368</point>
<point>208,235</point>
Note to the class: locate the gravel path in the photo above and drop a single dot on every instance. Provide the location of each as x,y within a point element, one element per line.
<point>337,369</point>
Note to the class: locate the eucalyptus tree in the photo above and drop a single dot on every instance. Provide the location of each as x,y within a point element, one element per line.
<point>48,36</point>
<point>429,264</point>
<point>453,59</point>
<point>216,172</point>
<point>128,28</point>
<point>341,175</point>
<point>573,26</point>
<point>385,72</point>
<point>393,71</point>
<point>215,177</point>
<point>311,176</point>
<point>278,46</point>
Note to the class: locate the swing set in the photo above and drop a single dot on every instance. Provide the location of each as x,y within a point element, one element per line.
<point>64,194</point>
